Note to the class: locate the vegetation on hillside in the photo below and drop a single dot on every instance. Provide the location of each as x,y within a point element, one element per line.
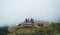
<point>52,29</point>
<point>4,30</point>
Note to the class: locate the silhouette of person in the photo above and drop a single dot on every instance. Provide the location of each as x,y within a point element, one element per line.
<point>32,20</point>
<point>26,20</point>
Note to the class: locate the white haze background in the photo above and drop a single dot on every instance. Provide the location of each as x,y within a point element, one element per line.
<point>15,11</point>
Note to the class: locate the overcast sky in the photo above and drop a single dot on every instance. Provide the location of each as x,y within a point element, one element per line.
<point>15,11</point>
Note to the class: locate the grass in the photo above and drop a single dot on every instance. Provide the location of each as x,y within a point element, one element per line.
<point>21,29</point>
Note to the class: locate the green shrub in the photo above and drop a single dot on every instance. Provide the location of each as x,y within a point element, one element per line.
<point>24,33</point>
<point>16,33</point>
<point>4,30</point>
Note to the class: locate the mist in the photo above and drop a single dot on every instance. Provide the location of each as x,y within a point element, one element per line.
<point>15,11</point>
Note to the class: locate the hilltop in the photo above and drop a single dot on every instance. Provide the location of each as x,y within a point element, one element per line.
<point>31,27</point>
<point>52,29</point>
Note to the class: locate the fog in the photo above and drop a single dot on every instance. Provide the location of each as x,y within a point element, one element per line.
<point>15,11</point>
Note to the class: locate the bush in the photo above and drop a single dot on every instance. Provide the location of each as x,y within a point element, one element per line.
<point>24,33</point>
<point>4,30</point>
<point>16,33</point>
<point>40,32</point>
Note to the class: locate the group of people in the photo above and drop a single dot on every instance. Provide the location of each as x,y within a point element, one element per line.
<point>29,20</point>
